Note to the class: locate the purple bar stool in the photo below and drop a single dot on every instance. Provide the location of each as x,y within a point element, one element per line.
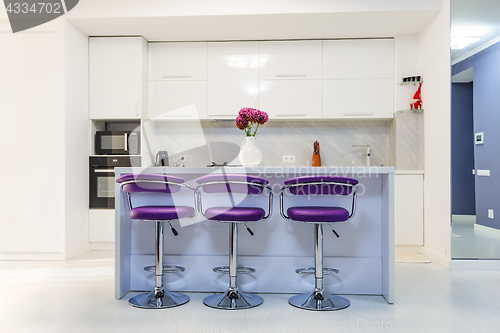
<point>159,298</point>
<point>319,299</point>
<point>234,299</point>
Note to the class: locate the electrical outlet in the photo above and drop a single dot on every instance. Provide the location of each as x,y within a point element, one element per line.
<point>187,158</point>
<point>289,159</point>
<point>490,213</point>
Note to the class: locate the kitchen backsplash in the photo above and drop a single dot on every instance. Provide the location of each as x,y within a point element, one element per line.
<point>219,141</point>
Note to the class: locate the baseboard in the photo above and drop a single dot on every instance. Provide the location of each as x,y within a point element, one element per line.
<point>464,218</point>
<point>43,256</point>
<point>445,262</point>
<point>32,256</point>
<point>475,264</point>
<point>484,228</point>
<point>408,248</point>
<point>102,246</point>
<point>76,252</point>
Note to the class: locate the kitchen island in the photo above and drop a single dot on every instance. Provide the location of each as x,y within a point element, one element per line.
<point>363,254</point>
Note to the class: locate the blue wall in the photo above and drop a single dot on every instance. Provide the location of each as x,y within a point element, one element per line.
<point>486,94</point>
<point>463,199</point>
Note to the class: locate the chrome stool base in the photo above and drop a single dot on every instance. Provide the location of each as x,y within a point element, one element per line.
<point>149,301</point>
<point>224,302</point>
<point>319,301</point>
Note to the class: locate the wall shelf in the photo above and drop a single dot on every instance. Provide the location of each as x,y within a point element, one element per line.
<point>410,110</point>
<point>409,83</point>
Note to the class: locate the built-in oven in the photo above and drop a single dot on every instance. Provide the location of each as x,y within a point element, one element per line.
<point>102,178</point>
<point>117,143</point>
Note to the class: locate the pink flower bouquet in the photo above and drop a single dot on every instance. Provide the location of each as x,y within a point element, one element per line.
<point>248,117</point>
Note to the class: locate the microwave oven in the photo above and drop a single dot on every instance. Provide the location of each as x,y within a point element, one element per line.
<point>117,143</point>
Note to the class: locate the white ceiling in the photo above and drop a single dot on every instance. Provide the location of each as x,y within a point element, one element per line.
<point>188,20</point>
<point>475,18</point>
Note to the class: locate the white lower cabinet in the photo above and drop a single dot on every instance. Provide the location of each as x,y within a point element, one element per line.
<point>291,99</point>
<point>358,98</point>
<point>169,100</point>
<point>101,227</point>
<point>409,209</point>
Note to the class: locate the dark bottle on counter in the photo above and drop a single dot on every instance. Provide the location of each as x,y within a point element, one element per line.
<point>316,159</point>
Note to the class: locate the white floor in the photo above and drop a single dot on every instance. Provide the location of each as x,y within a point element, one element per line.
<point>473,241</point>
<point>77,296</point>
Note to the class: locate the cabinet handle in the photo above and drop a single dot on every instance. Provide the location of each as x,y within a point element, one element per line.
<point>291,115</point>
<point>104,170</point>
<point>177,116</point>
<point>137,107</point>
<point>291,75</point>
<point>126,142</point>
<point>176,76</point>
<point>359,114</point>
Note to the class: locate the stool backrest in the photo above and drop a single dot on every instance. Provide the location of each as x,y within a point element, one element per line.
<point>317,185</point>
<point>231,183</point>
<point>135,183</point>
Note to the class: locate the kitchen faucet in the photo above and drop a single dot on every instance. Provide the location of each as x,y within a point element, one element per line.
<point>368,152</point>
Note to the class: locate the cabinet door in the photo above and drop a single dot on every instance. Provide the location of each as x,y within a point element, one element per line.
<point>408,209</point>
<point>117,76</point>
<point>290,59</point>
<point>358,98</point>
<point>233,77</point>
<point>177,61</point>
<point>177,100</point>
<point>291,99</point>
<point>358,59</point>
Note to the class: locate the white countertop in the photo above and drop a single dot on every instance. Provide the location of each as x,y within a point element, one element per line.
<point>263,170</point>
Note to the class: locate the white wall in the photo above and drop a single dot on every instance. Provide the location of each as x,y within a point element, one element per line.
<point>435,68</point>
<point>76,140</point>
<point>32,109</point>
<point>43,104</point>
<point>406,64</point>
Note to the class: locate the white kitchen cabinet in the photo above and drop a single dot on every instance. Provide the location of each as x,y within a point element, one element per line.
<point>358,59</point>
<point>177,61</point>
<point>170,100</point>
<point>408,209</point>
<point>117,77</point>
<point>101,225</point>
<point>358,98</point>
<point>291,99</point>
<point>233,77</point>
<point>290,59</point>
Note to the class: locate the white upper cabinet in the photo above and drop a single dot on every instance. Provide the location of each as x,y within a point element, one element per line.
<point>291,99</point>
<point>169,100</point>
<point>233,77</point>
<point>290,59</point>
<point>117,77</point>
<point>178,61</point>
<point>358,98</point>
<point>358,59</point>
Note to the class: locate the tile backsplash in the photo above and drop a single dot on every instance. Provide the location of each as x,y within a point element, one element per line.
<point>219,141</point>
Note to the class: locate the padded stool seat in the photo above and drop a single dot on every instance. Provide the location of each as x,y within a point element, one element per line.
<point>161,212</point>
<point>235,214</point>
<point>318,214</point>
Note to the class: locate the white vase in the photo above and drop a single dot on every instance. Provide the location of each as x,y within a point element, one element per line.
<point>250,153</point>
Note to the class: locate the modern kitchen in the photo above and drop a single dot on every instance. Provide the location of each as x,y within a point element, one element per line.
<point>174,140</point>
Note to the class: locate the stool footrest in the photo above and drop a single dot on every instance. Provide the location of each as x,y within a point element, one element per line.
<point>166,269</point>
<point>240,270</point>
<point>312,271</point>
